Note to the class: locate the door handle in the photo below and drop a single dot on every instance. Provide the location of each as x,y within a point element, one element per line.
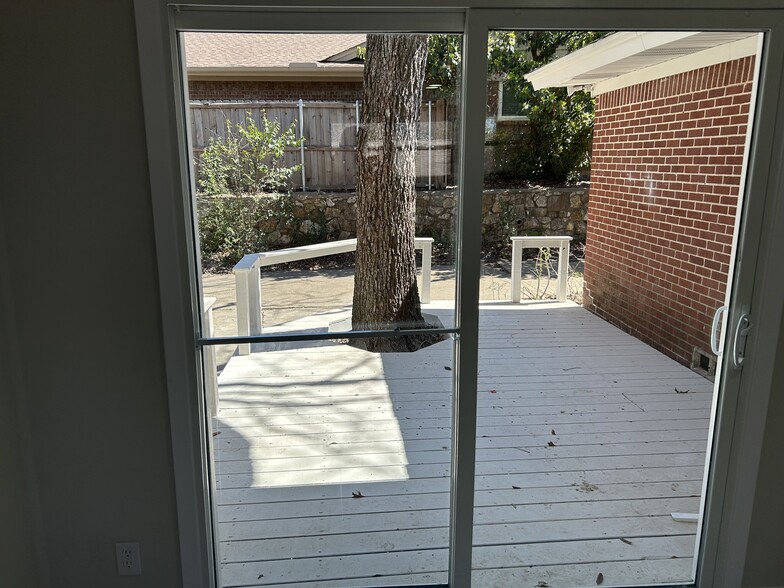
<point>742,329</point>
<point>715,335</point>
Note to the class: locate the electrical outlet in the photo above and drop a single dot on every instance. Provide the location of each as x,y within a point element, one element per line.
<point>129,561</point>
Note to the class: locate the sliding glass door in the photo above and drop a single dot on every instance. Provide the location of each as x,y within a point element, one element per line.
<point>452,274</point>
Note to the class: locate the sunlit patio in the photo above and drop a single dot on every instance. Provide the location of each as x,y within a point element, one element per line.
<point>332,463</point>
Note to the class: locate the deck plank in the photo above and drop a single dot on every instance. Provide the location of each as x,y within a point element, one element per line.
<point>584,436</point>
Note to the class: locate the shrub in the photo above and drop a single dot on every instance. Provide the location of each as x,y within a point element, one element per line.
<point>232,226</point>
<point>558,145</point>
<point>560,125</point>
<point>249,159</point>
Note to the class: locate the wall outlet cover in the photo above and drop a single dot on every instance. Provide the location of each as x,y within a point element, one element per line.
<point>129,561</point>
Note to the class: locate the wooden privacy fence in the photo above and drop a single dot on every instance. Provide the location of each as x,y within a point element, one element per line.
<point>330,132</point>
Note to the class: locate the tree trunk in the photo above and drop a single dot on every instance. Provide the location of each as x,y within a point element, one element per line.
<point>385,288</point>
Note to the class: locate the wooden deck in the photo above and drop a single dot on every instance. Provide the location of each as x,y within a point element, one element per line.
<point>332,464</point>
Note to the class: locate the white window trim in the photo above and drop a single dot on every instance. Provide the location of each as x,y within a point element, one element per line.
<point>745,394</point>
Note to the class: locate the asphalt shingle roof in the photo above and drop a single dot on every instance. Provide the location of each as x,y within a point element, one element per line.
<point>263,50</point>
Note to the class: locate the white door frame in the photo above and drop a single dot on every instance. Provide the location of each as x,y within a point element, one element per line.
<point>759,283</point>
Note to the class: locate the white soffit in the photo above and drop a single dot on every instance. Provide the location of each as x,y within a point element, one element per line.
<point>628,58</point>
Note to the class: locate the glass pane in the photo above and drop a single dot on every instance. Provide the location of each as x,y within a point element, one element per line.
<point>331,458</point>
<point>510,104</point>
<point>332,465</point>
<point>296,162</point>
<point>609,230</point>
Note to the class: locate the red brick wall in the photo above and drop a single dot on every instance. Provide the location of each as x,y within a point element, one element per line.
<point>278,90</point>
<point>665,175</point>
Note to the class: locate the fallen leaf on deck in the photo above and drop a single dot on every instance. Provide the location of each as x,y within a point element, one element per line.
<point>586,486</point>
<point>216,434</point>
<point>543,585</point>
<point>552,431</point>
<point>626,541</point>
<point>550,444</point>
<point>599,578</point>
<point>260,576</point>
<point>515,487</point>
<point>357,494</point>
<point>447,368</point>
<point>681,391</point>
<point>493,391</point>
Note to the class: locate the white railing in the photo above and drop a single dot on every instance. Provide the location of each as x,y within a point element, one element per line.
<point>248,279</point>
<point>210,363</point>
<point>520,243</point>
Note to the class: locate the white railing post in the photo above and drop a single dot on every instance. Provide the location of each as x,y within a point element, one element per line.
<point>426,244</point>
<point>241,290</point>
<point>563,269</point>
<point>210,363</point>
<point>517,270</point>
<point>248,292</point>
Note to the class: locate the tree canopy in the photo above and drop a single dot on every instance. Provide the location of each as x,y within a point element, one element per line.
<point>560,125</point>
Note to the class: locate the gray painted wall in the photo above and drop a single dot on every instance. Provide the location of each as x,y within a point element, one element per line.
<point>77,221</point>
<point>78,224</point>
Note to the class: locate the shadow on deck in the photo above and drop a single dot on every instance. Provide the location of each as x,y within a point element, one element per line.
<point>332,464</point>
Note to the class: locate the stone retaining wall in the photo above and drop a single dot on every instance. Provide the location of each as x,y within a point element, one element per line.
<point>314,217</point>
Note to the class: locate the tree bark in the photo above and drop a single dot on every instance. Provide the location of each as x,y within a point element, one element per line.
<point>385,289</point>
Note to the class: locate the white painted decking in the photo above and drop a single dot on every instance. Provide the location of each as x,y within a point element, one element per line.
<point>584,449</point>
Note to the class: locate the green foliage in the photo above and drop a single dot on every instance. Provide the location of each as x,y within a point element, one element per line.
<point>559,140</point>
<point>248,159</point>
<point>560,126</point>
<point>443,63</point>
<point>232,226</point>
<point>557,145</point>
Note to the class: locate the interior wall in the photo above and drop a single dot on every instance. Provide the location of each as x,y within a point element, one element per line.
<point>82,274</point>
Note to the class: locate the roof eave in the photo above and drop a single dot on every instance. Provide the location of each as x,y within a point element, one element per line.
<point>617,46</point>
<point>341,73</point>
<point>575,70</point>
